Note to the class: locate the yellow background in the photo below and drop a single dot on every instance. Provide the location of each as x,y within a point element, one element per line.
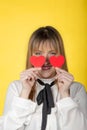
<point>19,18</point>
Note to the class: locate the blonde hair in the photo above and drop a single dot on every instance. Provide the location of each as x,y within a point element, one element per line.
<point>40,36</point>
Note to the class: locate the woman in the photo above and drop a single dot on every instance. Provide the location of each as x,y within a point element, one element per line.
<point>45,98</point>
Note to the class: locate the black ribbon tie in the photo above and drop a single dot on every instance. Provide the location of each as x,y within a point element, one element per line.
<point>45,97</point>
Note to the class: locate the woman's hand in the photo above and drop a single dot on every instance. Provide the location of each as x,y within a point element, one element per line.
<point>28,78</point>
<point>64,80</point>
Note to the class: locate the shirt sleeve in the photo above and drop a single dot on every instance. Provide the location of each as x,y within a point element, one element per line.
<point>18,111</point>
<point>72,113</point>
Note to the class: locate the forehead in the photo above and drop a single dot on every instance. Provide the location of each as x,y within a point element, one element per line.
<point>44,46</point>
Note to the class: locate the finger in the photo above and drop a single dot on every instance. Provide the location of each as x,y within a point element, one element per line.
<point>26,73</point>
<point>31,78</point>
<point>30,69</point>
<point>56,77</point>
<point>24,78</point>
<point>58,70</point>
<point>34,74</point>
<point>34,69</point>
<point>63,78</point>
<point>66,75</point>
<point>27,76</point>
<point>37,74</point>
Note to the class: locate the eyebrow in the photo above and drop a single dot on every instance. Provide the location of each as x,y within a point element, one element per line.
<point>41,50</point>
<point>37,50</point>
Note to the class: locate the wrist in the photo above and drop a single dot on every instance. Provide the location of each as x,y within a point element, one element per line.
<point>25,93</point>
<point>64,94</point>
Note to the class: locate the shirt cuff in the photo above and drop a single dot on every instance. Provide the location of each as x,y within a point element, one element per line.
<point>66,102</point>
<point>21,104</point>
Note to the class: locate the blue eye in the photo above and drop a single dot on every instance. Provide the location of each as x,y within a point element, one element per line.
<point>53,53</point>
<point>37,53</point>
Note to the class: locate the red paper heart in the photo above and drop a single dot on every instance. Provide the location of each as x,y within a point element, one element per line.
<point>57,61</point>
<point>37,61</point>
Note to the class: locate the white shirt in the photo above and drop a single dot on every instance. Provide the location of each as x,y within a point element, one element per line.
<point>69,113</point>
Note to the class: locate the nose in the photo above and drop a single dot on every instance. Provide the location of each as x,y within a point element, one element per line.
<point>47,58</point>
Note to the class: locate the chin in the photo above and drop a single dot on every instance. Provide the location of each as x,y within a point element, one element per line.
<point>47,75</point>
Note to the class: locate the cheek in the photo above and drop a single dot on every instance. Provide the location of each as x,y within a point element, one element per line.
<point>53,70</point>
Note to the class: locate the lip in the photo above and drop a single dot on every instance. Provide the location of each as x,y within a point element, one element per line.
<point>47,67</point>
